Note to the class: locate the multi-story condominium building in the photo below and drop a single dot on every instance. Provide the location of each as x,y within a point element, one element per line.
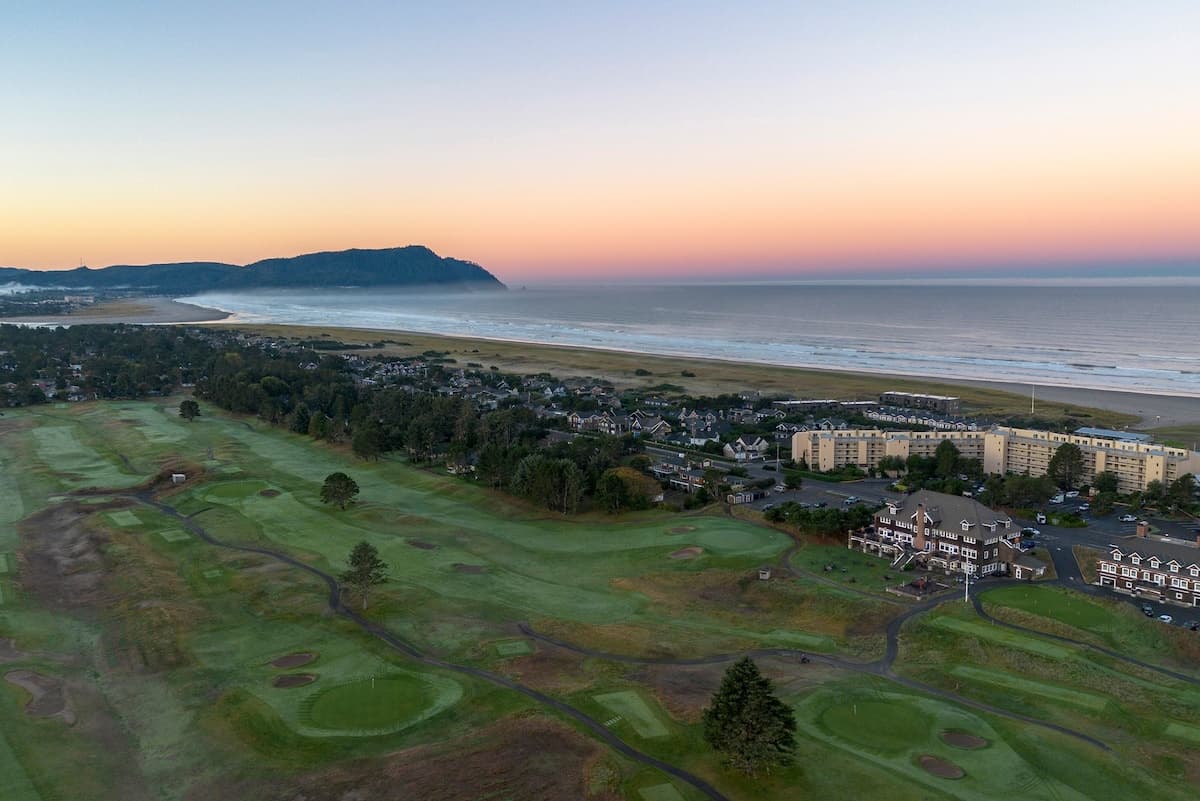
<point>945,404</point>
<point>947,532</point>
<point>1000,450</point>
<point>1153,569</point>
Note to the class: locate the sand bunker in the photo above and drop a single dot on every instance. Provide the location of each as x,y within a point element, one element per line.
<point>294,660</point>
<point>49,699</point>
<point>681,529</point>
<point>269,493</point>
<point>424,546</point>
<point>690,552</point>
<point>942,768</point>
<point>294,680</point>
<point>963,740</point>
<point>472,569</point>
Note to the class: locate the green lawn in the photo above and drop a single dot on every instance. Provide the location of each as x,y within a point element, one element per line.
<point>1003,636</point>
<point>1021,685</point>
<point>631,707</point>
<point>379,704</point>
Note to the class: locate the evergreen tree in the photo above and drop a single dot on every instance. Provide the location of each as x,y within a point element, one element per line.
<point>365,570</point>
<point>1066,466</point>
<point>748,723</point>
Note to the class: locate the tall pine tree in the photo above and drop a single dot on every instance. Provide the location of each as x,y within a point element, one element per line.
<point>748,723</point>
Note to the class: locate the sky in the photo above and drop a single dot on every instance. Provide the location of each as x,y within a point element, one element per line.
<point>599,141</point>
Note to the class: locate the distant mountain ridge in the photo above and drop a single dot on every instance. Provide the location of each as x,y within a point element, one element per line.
<point>414,265</point>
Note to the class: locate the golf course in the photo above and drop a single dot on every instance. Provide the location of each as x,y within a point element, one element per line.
<point>187,639</point>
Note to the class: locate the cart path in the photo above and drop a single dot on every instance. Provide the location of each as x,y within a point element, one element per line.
<point>412,652</point>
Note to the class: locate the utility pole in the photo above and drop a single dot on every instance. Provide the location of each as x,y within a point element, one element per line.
<point>1032,393</point>
<point>966,584</point>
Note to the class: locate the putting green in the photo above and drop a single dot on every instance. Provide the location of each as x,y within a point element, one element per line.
<point>379,705</point>
<point>630,706</point>
<point>889,727</point>
<point>1053,692</point>
<point>1013,639</point>
<point>175,535</point>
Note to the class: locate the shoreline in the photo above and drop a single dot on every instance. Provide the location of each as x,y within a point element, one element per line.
<point>1127,409</point>
<point>133,311</point>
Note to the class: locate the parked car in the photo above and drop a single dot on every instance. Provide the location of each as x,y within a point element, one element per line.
<point>1127,518</point>
<point>1083,507</point>
<point>768,506</point>
<point>1041,518</point>
<point>1030,531</point>
<point>1166,618</point>
<point>1071,494</point>
<point>853,499</point>
<point>1194,625</point>
<point>780,488</point>
<point>1057,498</point>
<point>1147,610</point>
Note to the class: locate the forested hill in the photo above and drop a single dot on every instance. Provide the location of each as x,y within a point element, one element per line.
<point>414,265</point>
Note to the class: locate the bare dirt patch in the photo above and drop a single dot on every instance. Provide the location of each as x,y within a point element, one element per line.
<point>472,569</point>
<point>963,740</point>
<point>294,680</point>
<point>533,759</point>
<point>942,768</point>
<point>294,660</point>
<point>549,670</point>
<point>690,552</point>
<point>61,557</point>
<point>48,698</point>
<point>269,493</point>
<point>424,546</point>
<point>683,691</point>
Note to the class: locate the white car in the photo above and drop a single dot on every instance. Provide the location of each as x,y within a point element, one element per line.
<point>1083,507</point>
<point>1030,531</point>
<point>1166,618</point>
<point>1072,494</point>
<point>1128,518</point>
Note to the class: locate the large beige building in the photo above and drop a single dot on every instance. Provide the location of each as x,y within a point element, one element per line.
<point>1000,450</point>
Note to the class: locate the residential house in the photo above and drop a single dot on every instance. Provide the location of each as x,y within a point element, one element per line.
<point>1152,569</point>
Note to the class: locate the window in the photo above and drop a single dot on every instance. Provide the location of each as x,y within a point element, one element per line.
<point>1116,557</point>
<point>1180,583</point>
<point>1174,568</point>
<point>1128,572</point>
<point>1195,571</point>
<point>1108,567</point>
<point>1137,560</point>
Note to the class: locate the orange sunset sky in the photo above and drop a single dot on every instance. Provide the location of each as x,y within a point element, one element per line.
<point>555,141</point>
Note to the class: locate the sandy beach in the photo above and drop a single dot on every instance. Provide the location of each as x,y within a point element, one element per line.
<point>129,310</point>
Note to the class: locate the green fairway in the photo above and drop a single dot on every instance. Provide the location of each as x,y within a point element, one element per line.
<point>1018,684</point>
<point>378,705</point>
<point>631,707</point>
<point>1002,636</point>
<point>1054,602</point>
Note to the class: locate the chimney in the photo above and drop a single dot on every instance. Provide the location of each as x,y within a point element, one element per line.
<point>1143,528</point>
<point>919,529</point>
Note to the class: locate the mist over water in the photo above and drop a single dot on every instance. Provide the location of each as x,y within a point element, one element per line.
<point>1134,337</point>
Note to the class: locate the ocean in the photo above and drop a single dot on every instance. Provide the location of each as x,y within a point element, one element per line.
<point>1121,336</point>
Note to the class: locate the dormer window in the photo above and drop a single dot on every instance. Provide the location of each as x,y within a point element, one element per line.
<point>1174,567</point>
<point>1154,563</point>
<point>1116,556</point>
<point>1137,560</point>
<point>965,526</point>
